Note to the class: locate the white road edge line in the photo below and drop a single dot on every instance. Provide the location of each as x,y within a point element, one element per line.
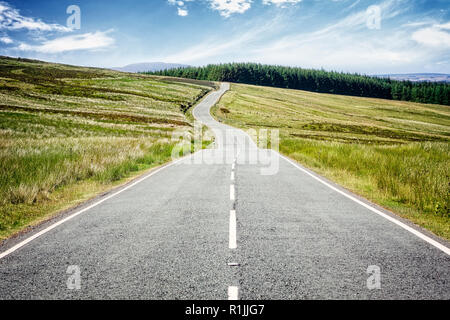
<point>232,193</point>
<point>233,241</point>
<point>232,175</point>
<point>56,224</point>
<point>384,215</point>
<point>233,293</point>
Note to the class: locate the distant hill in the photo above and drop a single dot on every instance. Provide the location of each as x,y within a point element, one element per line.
<point>418,77</point>
<point>150,67</point>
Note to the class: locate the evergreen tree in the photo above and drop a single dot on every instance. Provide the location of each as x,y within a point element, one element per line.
<point>317,81</point>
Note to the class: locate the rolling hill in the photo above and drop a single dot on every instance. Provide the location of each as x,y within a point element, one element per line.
<point>67,133</point>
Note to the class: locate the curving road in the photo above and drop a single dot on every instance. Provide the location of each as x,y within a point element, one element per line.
<point>230,222</point>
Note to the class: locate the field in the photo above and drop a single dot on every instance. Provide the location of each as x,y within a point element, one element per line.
<point>68,133</point>
<point>396,154</point>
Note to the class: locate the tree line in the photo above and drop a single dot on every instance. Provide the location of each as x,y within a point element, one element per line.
<point>317,81</point>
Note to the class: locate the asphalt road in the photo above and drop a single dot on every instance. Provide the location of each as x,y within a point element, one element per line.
<point>230,222</point>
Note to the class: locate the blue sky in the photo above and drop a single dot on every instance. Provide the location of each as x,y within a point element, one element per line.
<point>372,37</point>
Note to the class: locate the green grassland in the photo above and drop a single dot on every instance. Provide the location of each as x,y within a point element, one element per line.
<point>396,154</point>
<point>68,133</point>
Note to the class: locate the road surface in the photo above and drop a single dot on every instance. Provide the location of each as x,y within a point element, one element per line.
<point>220,225</point>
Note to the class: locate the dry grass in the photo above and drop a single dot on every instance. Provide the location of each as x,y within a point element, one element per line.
<point>62,127</point>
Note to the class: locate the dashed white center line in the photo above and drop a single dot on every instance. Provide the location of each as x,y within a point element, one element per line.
<point>233,293</point>
<point>233,242</point>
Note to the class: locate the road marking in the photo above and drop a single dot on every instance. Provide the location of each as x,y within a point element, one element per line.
<point>56,224</point>
<point>233,166</point>
<point>384,215</point>
<point>233,293</point>
<point>232,193</point>
<point>232,175</point>
<point>232,241</point>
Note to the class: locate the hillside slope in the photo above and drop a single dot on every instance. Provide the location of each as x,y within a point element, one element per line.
<point>67,133</point>
<point>396,154</point>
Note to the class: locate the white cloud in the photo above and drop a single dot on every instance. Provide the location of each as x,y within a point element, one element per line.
<point>435,36</point>
<point>182,12</point>
<point>6,40</point>
<point>281,3</point>
<point>228,7</point>
<point>11,19</point>
<point>354,4</point>
<point>342,44</point>
<point>88,41</point>
<point>214,47</point>
<point>177,3</point>
<point>346,44</point>
<point>418,24</point>
<point>445,26</point>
